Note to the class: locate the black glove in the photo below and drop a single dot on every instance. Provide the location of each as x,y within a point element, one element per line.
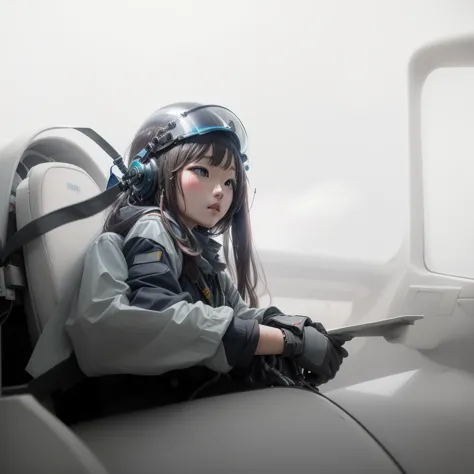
<point>310,346</point>
<point>338,340</point>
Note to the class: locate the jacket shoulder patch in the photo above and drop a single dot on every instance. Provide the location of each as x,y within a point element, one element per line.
<point>148,257</point>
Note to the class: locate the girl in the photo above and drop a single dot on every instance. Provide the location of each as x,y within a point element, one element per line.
<point>155,299</point>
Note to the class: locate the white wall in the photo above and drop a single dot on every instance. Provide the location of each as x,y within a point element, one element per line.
<point>320,86</point>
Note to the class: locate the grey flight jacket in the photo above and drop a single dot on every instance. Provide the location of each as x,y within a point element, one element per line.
<point>135,314</point>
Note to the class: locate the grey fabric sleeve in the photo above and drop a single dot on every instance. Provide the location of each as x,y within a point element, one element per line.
<point>110,335</point>
<point>241,309</point>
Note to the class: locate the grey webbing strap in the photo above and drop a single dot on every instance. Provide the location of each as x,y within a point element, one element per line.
<point>67,214</point>
<point>57,218</point>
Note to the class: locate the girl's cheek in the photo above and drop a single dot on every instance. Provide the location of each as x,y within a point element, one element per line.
<point>227,201</point>
<point>190,181</point>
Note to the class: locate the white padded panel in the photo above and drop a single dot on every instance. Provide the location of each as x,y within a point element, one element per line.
<point>54,261</point>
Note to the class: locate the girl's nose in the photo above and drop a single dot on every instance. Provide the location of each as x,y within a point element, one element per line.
<point>218,193</point>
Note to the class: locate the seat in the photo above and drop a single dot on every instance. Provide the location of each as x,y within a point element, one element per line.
<point>54,261</point>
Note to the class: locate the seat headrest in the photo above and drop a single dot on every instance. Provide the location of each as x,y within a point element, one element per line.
<point>86,149</point>
<point>54,261</point>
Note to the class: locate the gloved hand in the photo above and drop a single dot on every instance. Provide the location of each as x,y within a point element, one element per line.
<point>310,346</point>
<point>338,340</point>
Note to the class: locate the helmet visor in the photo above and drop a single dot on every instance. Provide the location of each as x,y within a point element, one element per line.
<point>209,118</point>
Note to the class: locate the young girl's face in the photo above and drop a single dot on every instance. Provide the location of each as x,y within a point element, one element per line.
<point>208,192</point>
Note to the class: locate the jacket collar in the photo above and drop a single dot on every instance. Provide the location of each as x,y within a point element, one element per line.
<point>209,261</point>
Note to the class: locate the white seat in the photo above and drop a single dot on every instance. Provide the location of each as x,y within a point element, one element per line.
<point>54,261</point>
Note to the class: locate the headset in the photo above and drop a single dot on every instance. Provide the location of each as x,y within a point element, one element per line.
<point>142,175</point>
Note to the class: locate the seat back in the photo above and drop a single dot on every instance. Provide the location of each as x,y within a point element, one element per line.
<point>54,261</point>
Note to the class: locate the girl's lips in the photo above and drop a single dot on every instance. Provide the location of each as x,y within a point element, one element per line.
<point>216,207</point>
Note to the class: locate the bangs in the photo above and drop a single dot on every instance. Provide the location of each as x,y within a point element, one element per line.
<point>220,148</point>
<point>222,156</point>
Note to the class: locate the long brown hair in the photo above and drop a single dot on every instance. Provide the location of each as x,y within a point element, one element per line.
<point>223,150</point>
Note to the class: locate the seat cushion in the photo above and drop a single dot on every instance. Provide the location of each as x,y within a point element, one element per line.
<point>54,261</point>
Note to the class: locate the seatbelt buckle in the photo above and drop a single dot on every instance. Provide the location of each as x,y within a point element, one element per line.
<point>5,292</point>
<point>11,278</point>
